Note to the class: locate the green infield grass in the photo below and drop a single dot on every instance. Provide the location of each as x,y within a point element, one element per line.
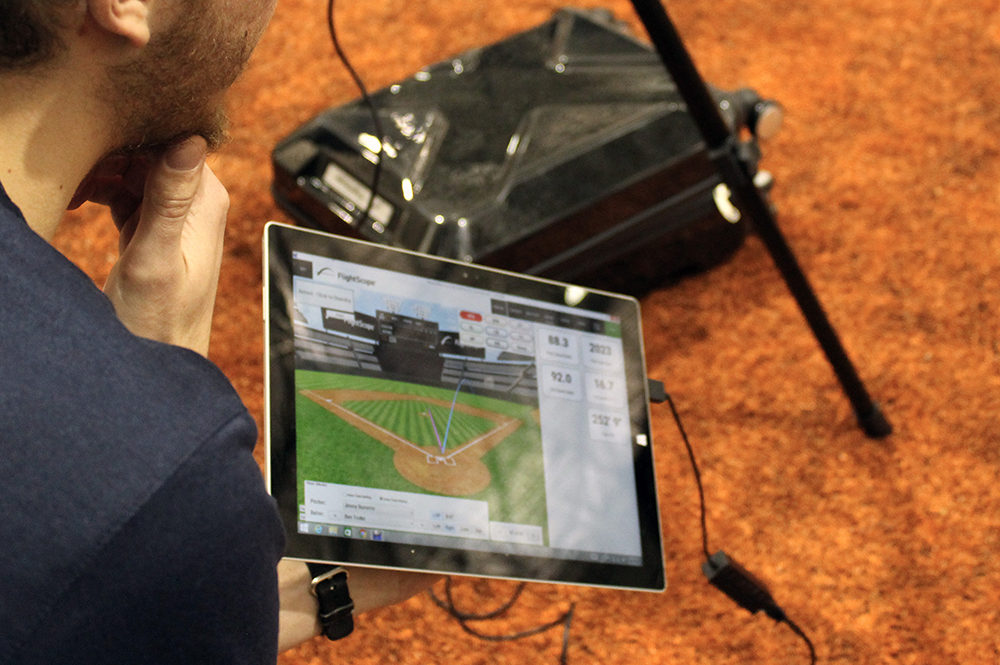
<point>331,450</point>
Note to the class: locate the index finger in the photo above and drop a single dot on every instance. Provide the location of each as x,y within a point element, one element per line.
<point>117,182</point>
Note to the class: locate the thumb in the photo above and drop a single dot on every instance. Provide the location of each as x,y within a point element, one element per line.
<point>170,191</point>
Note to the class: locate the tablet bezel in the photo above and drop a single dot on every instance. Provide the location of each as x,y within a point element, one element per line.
<point>280,241</point>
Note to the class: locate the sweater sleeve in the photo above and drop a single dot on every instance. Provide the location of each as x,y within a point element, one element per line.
<point>191,578</point>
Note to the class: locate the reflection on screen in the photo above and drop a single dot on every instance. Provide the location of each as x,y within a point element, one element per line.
<point>428,412</point>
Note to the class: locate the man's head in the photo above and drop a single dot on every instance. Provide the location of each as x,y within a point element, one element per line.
<point>174,87</point>
<point>175,58</point>
<point>29,32</point>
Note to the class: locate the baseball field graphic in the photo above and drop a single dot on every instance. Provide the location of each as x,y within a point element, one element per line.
<point>394,435</point>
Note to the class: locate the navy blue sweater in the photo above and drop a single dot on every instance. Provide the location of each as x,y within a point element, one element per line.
<point>134,522</point>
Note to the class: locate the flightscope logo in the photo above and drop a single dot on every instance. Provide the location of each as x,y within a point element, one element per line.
<point>354,279</point>
<point>350,279</point>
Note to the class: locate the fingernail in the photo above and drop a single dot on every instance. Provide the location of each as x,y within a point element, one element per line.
<point>186,155</point>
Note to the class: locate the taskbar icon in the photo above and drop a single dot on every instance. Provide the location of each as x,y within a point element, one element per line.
<point>318,529</point>
<point>357,533</point>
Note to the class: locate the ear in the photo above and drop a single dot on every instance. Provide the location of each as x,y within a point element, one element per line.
<point>127,18</point>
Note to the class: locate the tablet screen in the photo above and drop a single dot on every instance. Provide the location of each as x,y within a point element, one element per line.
<point>432,415</point>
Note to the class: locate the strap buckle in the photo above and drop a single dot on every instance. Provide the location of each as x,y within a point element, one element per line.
<point>336,609</point>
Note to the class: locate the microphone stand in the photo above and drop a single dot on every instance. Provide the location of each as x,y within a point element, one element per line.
<point>722,147</point>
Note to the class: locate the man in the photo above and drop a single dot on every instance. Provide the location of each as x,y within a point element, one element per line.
<point>136,527</point>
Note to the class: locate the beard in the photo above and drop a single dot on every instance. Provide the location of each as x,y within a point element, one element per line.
<point>175,88</point>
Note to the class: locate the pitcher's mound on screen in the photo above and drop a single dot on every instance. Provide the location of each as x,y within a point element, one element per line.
<point>455,470</point>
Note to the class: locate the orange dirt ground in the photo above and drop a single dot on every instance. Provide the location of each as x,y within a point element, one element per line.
<point>886,185</point>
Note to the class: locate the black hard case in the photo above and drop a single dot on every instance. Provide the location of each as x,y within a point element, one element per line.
<point>563,151</point>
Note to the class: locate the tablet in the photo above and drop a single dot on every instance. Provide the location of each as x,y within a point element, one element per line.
<point>432,415</point>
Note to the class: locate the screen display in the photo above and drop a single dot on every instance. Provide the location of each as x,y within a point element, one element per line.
<point>433,415</point>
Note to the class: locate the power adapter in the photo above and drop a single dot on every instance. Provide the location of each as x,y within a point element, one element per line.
<point>742,586</point>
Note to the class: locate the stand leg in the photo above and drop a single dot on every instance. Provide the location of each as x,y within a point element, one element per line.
<point>722,147</point>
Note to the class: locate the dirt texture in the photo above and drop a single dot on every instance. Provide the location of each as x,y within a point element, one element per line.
<point>886,185</point>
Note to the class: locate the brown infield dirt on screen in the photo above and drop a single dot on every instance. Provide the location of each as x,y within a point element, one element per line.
<point>456,473</point>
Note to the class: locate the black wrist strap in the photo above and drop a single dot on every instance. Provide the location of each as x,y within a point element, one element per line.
<point>336,609</point>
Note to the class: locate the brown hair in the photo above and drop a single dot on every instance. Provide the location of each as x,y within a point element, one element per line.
<point>29,31</point>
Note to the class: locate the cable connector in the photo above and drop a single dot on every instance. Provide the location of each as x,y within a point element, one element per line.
<point>657,392</point>
<point>732,579</point>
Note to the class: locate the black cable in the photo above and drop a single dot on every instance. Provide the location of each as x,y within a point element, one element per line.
<point>697,474</point>
<point>469,616</point>
<point>801,633</point>
<point>463,618</point>
<point>366,98</point>
<point>725,573</point>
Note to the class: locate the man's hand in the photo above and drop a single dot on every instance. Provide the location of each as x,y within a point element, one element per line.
<point>370,588</point>
<point>171,213</point>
